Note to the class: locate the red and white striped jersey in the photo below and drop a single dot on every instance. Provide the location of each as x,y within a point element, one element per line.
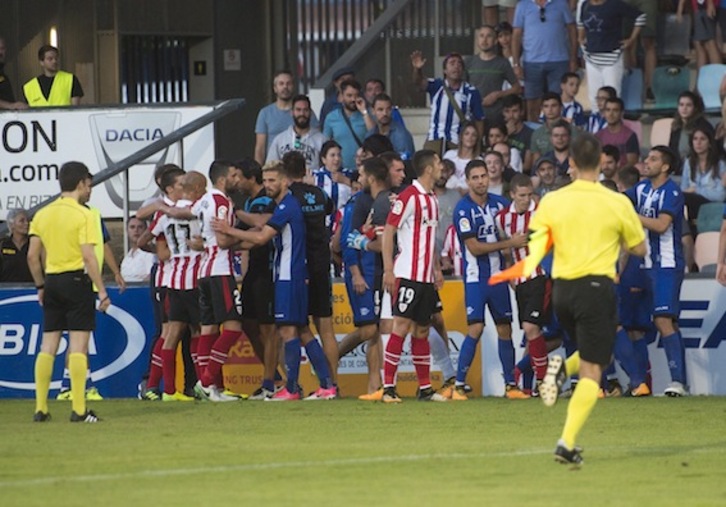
<point>216,261</point>
<point>452,250</point>
<point>185,262</point>
<point>163,271</point>
<point>509,223</point>
<point>415,214</point>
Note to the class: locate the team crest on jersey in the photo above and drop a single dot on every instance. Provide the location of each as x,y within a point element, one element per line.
<point>465,225</point>
<point>222,212</point>
<point>397,207</point>
<point>281,206</point>
<point>309,197</point>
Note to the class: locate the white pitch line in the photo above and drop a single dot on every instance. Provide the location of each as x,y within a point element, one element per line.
<point>141,474</point>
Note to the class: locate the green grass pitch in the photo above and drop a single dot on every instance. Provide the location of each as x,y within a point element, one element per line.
<point>641,452</point>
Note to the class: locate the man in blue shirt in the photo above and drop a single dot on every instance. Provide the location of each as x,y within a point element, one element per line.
<point>659,203</point>
<point>349,124</point>
<point>399,135</point>
<point>545,39</point>
<point>474,219</point>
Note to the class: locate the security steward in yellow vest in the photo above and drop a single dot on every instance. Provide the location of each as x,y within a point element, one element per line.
<point>53,87</point>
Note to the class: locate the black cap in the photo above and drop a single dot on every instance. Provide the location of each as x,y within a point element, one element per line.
<point>342,72</point>
<point>543,159</point>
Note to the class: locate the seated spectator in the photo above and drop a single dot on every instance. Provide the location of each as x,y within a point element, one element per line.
<point>618,134</point>
<point>497,133</point>
<point>512,161</point>
<point>374,87</point>
<point>560,139</point>
<point>596,121</point>
<point>628,176</point>
<point>546,172</point>
<point>519,135</point>
<point>721,127</point>
<point>137,263</point>
<point>610,163</point>
<point>704,172</point>
<point>689,115</point>
<point>14,249</point>
<point>571,109</point>
<point>300,136</point>
<point>542,137</point>
<point>495,167</point>
<point>469,149</point>
<point>453,102</point>
<point>399,135</point>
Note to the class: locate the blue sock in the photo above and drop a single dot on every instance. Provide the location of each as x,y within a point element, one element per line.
<point>268,384</point>
<point>675,353</point>
<point>625,355</point>
<point>640,350</point>
<point>320,364</point>
<point>525,366</point>
<point>506,357</point>
<point>292,363</point>
<point>466,357</point>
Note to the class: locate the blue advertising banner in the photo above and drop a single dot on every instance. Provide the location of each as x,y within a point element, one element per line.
<point>118,350</point>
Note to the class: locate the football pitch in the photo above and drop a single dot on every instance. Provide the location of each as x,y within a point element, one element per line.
<point>655,451</point>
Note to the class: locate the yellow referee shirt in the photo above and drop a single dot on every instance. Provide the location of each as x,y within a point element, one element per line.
<point>63,226</point>
<point>588,223</point>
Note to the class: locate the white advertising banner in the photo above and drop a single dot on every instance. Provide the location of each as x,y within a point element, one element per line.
<point>34,145</point>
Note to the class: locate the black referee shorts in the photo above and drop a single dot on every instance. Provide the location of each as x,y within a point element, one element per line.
<point>69,302</point>
<point>587,310</point>
<point>320,294</point>
<point>258,298</point>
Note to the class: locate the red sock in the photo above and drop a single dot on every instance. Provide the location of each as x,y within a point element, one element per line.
<point>538,355</point>
<point>421,352</point>
<point>391,359</point>
<point>168,358</point>
<point>213,373</point>
<point>204,349</point>
<point>193,346</point>
<point>155,371</point>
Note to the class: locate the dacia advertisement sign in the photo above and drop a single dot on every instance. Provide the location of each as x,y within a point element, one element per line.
<point>118,349</point>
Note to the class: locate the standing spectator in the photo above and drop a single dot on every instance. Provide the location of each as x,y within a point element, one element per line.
<point>689,115</point>
<point>399,135</point>
<point>544,47</point>
<point>647,40</point>
<point>453,102</point>
<point>618,134</point>
<point>299,136</point>
<point>137,263</point>
<point>275,118</point>
<point>504,40</point>
<point>600,35</point>
<point>704,172</point>
<point>541,138</point>
<point>68,232</point>
<point>596,121</point>
<point>7,97</point>
<point>14,249</point>
<point>519,134</point>
<point>571,109</point>
<point>335,98</point>
<point>329,176</point>
<point>469,149</point>
<point>704,30</point>
<point>560,139</point>
<point>373,88</point>
<point>488,71</point>
<point>348,125</point>
<point>54,87</point>
<point>659,203</point>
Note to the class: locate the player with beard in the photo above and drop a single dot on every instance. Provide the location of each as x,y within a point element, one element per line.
<point>287,227</point>
<point>300,136</point>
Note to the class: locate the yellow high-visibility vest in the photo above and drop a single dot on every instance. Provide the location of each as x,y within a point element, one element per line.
<point>60,91</point>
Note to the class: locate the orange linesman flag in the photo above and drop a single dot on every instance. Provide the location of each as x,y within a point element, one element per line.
<point>540,242</point>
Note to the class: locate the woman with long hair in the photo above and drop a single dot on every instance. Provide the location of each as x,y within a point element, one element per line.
<point>469,148</point>
<point>689,115</point>
<point>704,172</point>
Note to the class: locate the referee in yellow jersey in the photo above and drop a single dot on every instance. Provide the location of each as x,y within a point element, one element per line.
<point>588,224</point>
<point>67,231</point>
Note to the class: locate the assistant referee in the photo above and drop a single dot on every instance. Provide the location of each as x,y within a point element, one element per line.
<point>67,231</point>
<point>587,223</point>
